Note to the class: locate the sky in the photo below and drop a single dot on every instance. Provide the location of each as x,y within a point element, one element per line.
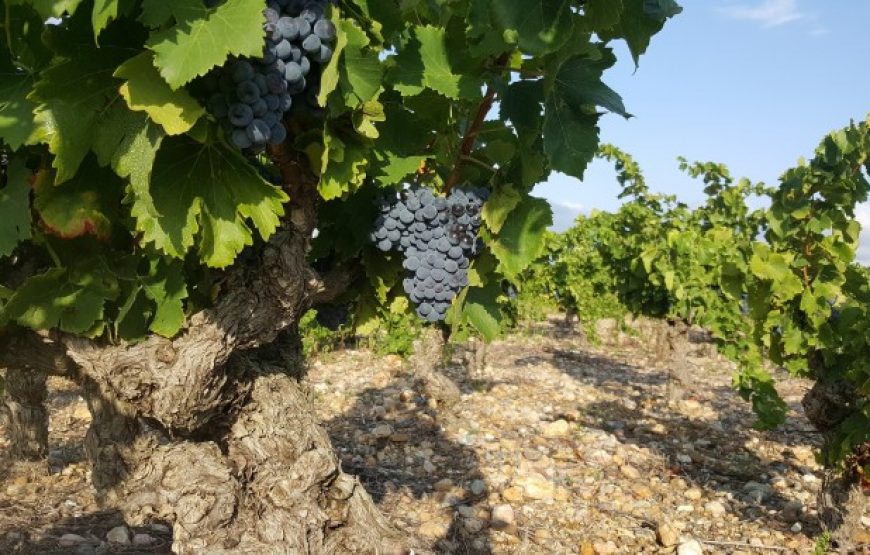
<point>754,84</point>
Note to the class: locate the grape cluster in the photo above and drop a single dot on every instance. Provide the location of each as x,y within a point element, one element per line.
<point>250,97</point>
<point>437,235</point>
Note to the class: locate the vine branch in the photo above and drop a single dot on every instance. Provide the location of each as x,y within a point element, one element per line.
<point>470,137</point>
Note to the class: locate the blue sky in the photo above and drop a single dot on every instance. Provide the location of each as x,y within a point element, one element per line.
<point>754,84</point>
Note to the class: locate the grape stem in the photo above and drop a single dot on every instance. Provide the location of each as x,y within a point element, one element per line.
<point>470,138</point>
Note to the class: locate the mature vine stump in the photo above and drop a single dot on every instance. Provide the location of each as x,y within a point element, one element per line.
<point>842,502</point>
<point>263,478</point>
<point>24,406</point>
<point>427,362</point>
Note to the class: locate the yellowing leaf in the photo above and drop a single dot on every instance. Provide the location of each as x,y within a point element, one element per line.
<point>146,91</point>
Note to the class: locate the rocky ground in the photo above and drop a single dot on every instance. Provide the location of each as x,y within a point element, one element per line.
<point>554,446</point>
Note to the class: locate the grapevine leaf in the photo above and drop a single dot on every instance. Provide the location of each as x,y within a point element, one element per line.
<point>578,81</point>
<point>343,166</point>
<point>74,95</point>
<point>570,139</point>
<point>205,192</point>
<point>521,238</point>
<point>166,288</point>
<point>84,205</point>
<point>424,62</point>
<point>639,23</point>
<point>104,12</point>
<point>481,310</point>
<point>329,74</point>
<point>61,298</point>
<point>146,91</point>
<point>603,14</point>
<point>55,8</point>
<point>540,27</point>
<point>522,104</point>
<point>129,143</point>
<point>14,207</point>
<point>499,206</point>
<point>360,72</point>
<point>202,39</point>
<point>16,111</point>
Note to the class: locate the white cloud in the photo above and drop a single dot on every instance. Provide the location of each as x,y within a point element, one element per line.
<point>769,13</point>
<point>862,214</point>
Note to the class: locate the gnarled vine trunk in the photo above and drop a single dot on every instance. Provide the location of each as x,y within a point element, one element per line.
<point>24,408</point>
<point>841,501</point>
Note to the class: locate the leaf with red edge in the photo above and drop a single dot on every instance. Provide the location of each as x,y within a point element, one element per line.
<point>85,205</point>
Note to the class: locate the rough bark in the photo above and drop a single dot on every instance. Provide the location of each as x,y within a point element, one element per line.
<point>265,479</point>
<point>27,417</point>
<point>28,363</point>
<point>427,361</point>
<point>841,501</point>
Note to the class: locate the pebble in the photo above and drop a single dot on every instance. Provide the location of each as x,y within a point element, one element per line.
<point>119,535</point>
<point>796,527</point>
<point>667,535</point>
<point>690,547</point>
<point>715,508</point>
<point>433,529</point>
<point>162,528</point>
<point>605,548</point>
<point>513,494</point>
<point>477,487</point>
<point>694,494</point>
<point>443,485</point>
<point>69,540</point>
<point>559,428</point>
<point>382,431</point>
<point>502,517</point>
<point>143,539</point>
<point>629,472</point>
<point>537,487</point>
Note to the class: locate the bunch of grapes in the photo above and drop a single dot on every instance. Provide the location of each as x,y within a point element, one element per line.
<point>250,97</point>
<point>437,236</point>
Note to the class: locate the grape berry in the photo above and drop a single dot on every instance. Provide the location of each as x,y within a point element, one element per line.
<point>250,97</point>
<point>437,236</point>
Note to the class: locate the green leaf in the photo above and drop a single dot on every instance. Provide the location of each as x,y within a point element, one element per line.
<point>481,310</point>
<point>204,195</point>
<point>603,14</point>
<point>521,239</point>
<point>146,91</point>
<point>343,167</point>
<point>639,23</point>
<point>578,82</point>
<point>202,39</point>
<point>55,8</point>
<point>499,206</point>
<point>329,74</point>
<point>14,207</point>
<point>87,204</point>
<point>16,111</point>
<point>129,143</point>
<point>360,72</point>
<point>61,298</point>
<point>570,139</point>
<point>540,27</point>
<point>522,104</point>
<point>74,95</point>
<point>104,12</point>
<point>167,289</point>
<point>425,62</point>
